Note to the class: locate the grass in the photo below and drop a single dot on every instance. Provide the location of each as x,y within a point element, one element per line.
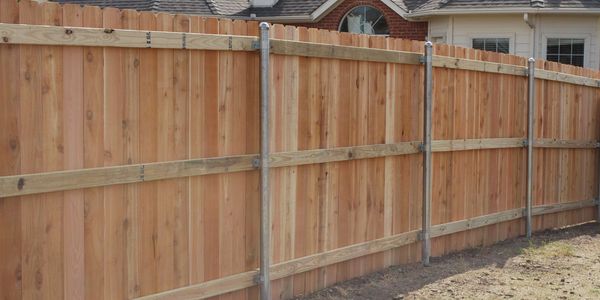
<point>549,250</point>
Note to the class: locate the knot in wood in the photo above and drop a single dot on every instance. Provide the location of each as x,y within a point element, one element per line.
<point>21,184</point>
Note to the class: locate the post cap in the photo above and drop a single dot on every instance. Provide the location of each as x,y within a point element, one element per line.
<point>264,25</point>
<point>428,44</point>
<point>531,59</point>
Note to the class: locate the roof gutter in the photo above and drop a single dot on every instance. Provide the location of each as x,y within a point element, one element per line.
<point>471,11</point>
<point>286,19</point>
<point>528,20</point>
<point>397,9</point>
<point>324,9</point>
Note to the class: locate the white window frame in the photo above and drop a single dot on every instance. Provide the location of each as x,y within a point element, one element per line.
<point>362,5</point>
<point>439,38</point>
<point>586,44</point>
<point>511,36</point>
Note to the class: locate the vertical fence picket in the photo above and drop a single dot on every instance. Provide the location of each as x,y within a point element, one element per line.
<point>11,80</point>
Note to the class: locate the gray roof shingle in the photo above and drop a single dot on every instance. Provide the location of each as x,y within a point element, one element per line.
<point>289,8</point>
<point>431,5</point>
<point>210,7</point>
<point>195,7</point>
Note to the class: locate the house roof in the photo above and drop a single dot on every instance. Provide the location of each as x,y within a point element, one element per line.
<point>210,7</point>
<point>282,8</point>
<point>196,7</point>
<point>311,10</point>
<point>487,4</point>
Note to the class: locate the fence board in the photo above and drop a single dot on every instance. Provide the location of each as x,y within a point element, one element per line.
<point>148,141</point>
<point>10,160</point>
<point>93,145</point>
<point>73,213</point>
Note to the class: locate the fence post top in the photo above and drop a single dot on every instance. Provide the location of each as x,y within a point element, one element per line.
<point>531,60</point>
<point>264,26</point>
<point>428,44</point>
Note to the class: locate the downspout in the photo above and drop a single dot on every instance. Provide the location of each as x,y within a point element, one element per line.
<point>531,25</point>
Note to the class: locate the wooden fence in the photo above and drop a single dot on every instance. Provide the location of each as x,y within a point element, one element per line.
<point>127,157</point>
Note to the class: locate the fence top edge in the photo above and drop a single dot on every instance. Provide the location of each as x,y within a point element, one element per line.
<point>109,30</point>
<point>513,69</point>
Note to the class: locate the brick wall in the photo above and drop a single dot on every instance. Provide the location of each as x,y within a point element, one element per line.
<point>399,27</point>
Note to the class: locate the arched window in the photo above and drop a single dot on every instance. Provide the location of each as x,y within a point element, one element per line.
<point>364,19</point>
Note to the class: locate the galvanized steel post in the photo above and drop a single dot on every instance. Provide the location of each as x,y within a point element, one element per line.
<point>530,128</point>
<point>428,93</point>
<point>265,211</point>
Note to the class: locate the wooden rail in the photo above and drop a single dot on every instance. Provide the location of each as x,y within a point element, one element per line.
<point>477,65</point>
<point>299,265</point>
<point>27,184</point>
<point>209,288</point>
<point>476,222</point>
<point>86,178</point>
<point>568,78</point>
<point>567,144</point>
<point>317,156</point>
<point>475,144</point>
<point>107,37</point>
<point>296,48</point>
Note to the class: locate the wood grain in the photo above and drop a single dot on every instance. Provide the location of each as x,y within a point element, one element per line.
<point>123,38</point>
<point>10,159</point>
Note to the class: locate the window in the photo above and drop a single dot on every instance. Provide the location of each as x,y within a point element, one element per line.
<point>364,19</point>
<point>438,39</point>
<point>500,45</point>
<point>566,51</point>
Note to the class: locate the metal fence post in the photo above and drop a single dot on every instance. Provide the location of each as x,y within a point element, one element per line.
<point>530,127</point>
<point>265,212</point>
<point>428,85</point>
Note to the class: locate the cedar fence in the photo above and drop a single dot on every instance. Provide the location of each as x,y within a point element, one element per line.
<point>129,153</point>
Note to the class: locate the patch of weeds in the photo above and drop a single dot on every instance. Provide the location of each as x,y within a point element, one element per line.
<point>549,250</point>
<point>529,249</point>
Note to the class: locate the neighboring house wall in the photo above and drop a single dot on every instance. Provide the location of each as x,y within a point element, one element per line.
<point>399,27</point>
<point>461,29</point>
<point>554,26</point>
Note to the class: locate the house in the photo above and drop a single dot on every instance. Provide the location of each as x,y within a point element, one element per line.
<point>567,31</point>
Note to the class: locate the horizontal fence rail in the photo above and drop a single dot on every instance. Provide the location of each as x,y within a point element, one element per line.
<point>108,37</point>
<point>99,37</point>
<point>28,184</point>
<point>296,48</point>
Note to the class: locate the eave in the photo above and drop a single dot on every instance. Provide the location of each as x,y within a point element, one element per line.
<point>531,10</point>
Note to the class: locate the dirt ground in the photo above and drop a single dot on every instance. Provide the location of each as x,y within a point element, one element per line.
<point>558,264</point>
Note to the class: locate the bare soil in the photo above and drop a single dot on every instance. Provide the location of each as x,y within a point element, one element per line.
<point>555,264</point>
